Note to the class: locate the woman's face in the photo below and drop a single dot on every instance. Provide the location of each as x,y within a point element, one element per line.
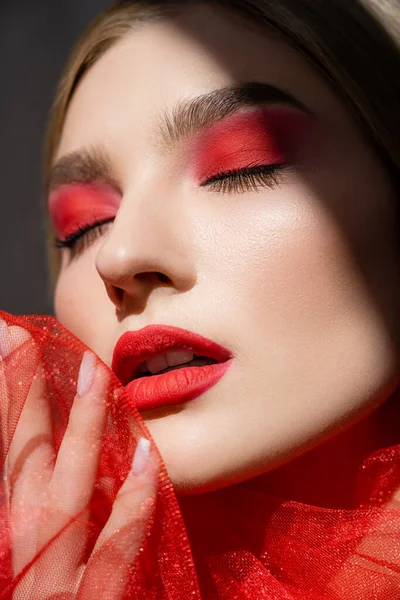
<point>258,218</point>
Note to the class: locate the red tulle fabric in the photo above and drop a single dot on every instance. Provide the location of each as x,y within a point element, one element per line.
<point>237,543</point>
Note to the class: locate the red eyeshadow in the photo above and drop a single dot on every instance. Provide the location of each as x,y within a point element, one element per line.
<point>265,136</point>
<point>81,205</point>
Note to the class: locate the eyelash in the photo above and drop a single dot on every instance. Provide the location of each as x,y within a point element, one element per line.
<point>235,181</point>
<point>83,237</point>
<point>248,179</point>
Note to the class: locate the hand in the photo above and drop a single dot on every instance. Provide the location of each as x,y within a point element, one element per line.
<point>49,495</point>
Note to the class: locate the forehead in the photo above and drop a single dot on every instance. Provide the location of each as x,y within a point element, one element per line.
<point>160,64</point>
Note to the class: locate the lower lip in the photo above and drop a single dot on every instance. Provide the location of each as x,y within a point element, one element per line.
<point>175,387</point>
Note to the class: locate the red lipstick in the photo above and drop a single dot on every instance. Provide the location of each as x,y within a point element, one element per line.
<point>171,387</point>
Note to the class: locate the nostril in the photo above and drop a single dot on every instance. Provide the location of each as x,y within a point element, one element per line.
<point>116,295</point>
<point>163,278</point>
<point>152,277</point>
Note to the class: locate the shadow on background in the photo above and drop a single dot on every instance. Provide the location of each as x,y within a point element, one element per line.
<point>35,39</point>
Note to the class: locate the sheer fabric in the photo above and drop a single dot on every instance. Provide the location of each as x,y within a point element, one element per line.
<point>236,543</point>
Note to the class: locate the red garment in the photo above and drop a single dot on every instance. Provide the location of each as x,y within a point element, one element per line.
<point>237,543</point>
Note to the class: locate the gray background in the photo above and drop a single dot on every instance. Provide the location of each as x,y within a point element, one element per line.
<point>35,38</point>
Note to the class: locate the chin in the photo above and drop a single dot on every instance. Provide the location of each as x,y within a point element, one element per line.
<point>191,478</point>
<point>190,486</point>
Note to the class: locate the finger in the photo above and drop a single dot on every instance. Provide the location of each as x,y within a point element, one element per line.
<point>125,530</point>
<point>63,524</point>
<point>64,518</point>
<point>25,422</point>
<point>31,453</point>
<point>30,474</point>
<point>28,415</point>
<point>134,498</point>
<point>74,476</point>
<point>30,458</point>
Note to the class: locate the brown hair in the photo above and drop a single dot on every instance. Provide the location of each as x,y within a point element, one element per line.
<point>352,42</point>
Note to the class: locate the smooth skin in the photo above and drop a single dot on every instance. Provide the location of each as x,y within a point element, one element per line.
<point>299,281</point>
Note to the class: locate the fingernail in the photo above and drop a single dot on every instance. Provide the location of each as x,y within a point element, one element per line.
<point>141,456</point>
<point>5,347</point>
<point>86,373</point>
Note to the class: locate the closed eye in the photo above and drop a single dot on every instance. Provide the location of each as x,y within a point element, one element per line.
<point>84,236</point>
<point>246,179</point>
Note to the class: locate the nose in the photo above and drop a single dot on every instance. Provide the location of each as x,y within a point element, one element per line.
<point>146,249</point>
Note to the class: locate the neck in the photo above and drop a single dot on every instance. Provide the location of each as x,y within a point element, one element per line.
<point>246,519</point>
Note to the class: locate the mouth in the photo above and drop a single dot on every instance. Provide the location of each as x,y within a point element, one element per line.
<point>172,361</point>
<point>164,365</point>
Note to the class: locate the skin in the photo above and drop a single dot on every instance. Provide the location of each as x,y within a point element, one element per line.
<point>299,281</point>
<point>39,495</point>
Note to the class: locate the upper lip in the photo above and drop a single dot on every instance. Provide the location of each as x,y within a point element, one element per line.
<point>135,347</point>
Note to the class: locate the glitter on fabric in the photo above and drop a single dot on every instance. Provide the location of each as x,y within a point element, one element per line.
<point>237,543</point>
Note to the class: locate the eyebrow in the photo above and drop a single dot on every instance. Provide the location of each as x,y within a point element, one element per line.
<point>81,166</point>
<point>191,116</point>
<point>186,119</point>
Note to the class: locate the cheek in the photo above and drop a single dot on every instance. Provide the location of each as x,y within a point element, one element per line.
<point>300,274</point>
<point>301,300</point>
<point>293,263</point>
<point>313,349</point>
<point>69,304</point>
<point>81,304</point>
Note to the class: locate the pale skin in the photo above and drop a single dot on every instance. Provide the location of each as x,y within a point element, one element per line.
<point>299,280</point>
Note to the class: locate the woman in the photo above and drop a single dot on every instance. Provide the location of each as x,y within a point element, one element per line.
<point>223,188</point>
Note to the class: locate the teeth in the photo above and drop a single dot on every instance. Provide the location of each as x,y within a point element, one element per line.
<point>179,358</point>
<point>157,364</point>
<point>162,362</point>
